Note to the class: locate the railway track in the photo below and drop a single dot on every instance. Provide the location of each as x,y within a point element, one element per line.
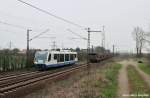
<point>26,76</point>
<point>15,86</point>
<point>4,75</point>
<point>13,76</point>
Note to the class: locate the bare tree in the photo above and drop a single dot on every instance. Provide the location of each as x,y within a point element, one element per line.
<point>139,37</point>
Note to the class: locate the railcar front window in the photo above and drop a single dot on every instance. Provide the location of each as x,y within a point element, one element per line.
<point>41,56</point>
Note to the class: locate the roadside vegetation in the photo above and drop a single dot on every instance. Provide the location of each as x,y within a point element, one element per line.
<point>138,87</point>
<point>145,68</point>
<point>110,87</point>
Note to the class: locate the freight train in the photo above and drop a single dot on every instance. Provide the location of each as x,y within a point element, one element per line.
<point>97,57</point>
<point>47,59</point>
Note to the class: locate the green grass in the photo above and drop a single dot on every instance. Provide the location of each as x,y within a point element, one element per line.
<point>110,87</point>
<point>136,83</point>
<point>145,68</point>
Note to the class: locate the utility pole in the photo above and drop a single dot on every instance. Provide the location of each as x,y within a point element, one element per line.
<point>88,44</point>
<point>92,49</point>
<point>116,51</point>
<point>113,49</point>
<point>27,52</point>
<point>10,45</point>
<point>103,37</point>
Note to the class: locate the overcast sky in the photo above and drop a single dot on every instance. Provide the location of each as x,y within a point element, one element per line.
<point>118,16</point>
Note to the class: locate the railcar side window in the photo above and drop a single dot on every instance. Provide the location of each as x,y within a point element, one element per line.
<point>49,57</point>
<point>71,56</point>
<point>74,56</point>
<point>58,58</point>
<point>61,57</point>
<point>55,56</point>
<point>66,57</point>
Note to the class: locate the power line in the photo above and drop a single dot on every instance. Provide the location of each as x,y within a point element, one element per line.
<point>25,19</point>
<point>16,26</point>
<point>8,31</point>
<point>46,12</point>
<point>13,25</point>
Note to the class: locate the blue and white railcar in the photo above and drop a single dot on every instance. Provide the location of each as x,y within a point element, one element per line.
<point>47,59</point>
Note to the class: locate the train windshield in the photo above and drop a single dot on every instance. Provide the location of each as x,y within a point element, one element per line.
<point>41,55</point>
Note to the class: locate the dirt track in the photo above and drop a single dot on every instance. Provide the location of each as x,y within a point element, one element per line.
<point>123,78</point>
<point>145,76</point>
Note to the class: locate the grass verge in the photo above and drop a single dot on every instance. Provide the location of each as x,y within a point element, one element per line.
<point>109,90</point>
<point>145,68</point>
<point>138,87</point>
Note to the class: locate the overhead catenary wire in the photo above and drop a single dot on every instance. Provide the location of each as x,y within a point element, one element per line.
<point>48,37</point>
<point>77,34</point>
<point>73,38</point>
<point>39,34</point>
<point>48,13</point>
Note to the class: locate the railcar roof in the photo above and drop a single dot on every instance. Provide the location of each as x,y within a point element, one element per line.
<point>63,52</point>
<point>52,51</point>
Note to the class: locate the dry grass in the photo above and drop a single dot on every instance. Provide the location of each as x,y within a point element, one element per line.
<point>78,85</point>
<point>84,88</point>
